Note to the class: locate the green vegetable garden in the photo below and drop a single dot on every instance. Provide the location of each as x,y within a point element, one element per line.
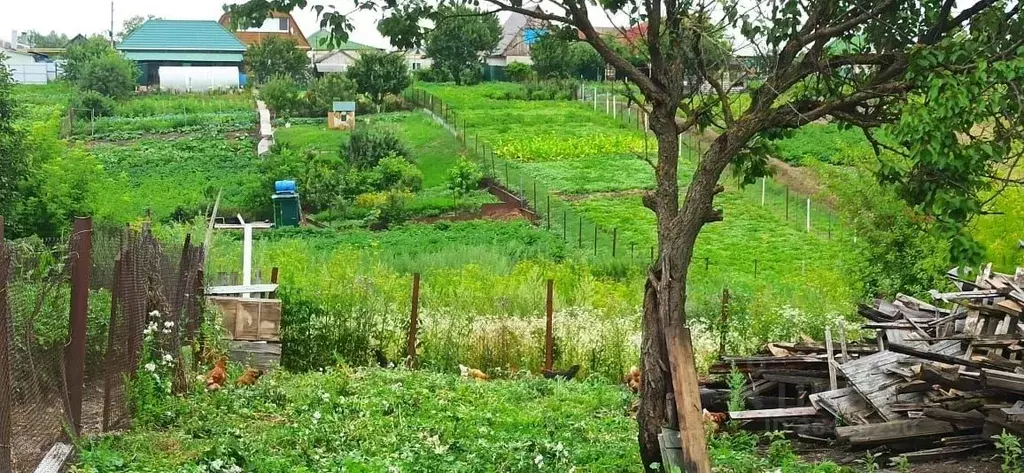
<point>481,193</point>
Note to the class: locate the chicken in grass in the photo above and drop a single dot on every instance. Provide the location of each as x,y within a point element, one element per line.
<point>632,379</point>
<point>249,377</point>
<point>218,376</point>
<point>714,421</point>
<point>563,375</point>
<point>473,373</point>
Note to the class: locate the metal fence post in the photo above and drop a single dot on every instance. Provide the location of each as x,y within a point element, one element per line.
<point>787,203</point>
<point>549,339</point>
<point>549,212</point>
<point>81,258</point>
<point>414,317</point>
<point>615,240</point>
<point>808,215</point>
<point>6,377</point>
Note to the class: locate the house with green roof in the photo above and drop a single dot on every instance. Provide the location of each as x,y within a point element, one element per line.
<point>327,58</point>
<point>185,54</point>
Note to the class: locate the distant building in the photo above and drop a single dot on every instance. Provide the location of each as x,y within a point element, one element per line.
<point>417,59</point>
<point>327,58</point>
<point>198,54</point>
<point>518,33</point>
<point>28,68</point>
<point>278,25</point>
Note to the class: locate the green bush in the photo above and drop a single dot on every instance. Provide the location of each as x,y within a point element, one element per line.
<point>282,96</point>
<point>518,72</point>
<point>431,74</point>
<point>80,54</point>
<point>368,146</point>
<point>110,75</point>
<point>399,174</point>
<point>464,177</point>
<point>325,90</point>
<point>274,57</point>
<point>471,76</point>
<point>89,104</point>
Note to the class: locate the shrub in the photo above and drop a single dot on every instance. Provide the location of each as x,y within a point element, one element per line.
<point>80,54</point>
<point>325,90</point>
<point>464,177</point>
<point>110,75</point>
<point>471,76</point>
<point>431,74</point>
<point>89,104</point>
<point>518,72</point>
<point>282,96</point>
<point>399,174</point>
<point>273,57</point>
<point>379,74</point>
<point>368,146</point>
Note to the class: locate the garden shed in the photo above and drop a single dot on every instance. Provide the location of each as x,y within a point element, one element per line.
<point>203,54</point>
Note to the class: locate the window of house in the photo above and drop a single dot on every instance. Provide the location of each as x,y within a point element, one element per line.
<point>283,24</point>
<point>271,25</point>
<point>415,66</point>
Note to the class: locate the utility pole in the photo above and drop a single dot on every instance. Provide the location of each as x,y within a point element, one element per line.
<point>112,24</point>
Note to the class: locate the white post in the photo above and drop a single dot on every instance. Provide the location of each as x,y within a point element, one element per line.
<point>647,123</point>
<point>808,214</point>
<point>615,108</point>
<point>595,97</point>
<point>607,104</point>
<point>762,192</point>
<point>247,258</point>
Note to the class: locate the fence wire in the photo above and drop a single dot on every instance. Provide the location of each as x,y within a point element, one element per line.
<point>133,275</point>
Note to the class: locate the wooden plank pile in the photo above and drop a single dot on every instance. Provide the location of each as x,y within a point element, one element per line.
<point>941,378</point>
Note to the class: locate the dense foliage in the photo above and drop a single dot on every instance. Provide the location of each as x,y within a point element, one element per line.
<point>323,91</point>
<point>281,95</point>
<point>556,57</point>
<point>368,146</point>
<point>109,74</point>
<point>79,55</point>
<point>458,44</point>
<point>379,74</point>
<point>518,72</point>
<point>13,155</point>
<point>275,56</point>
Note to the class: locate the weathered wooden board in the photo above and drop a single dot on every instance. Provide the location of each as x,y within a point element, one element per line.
<point>900,430</point>
<point>55,458</point>
<point>261,355</point>
<point>845,404</point>
<point>250,319</point>
<point>774,413</point>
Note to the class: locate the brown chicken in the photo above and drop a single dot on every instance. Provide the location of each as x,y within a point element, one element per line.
<point>473,373</point>
<point>714,421</point>
<point>218,375</point>
<point>249,377</point>
<point>632,379</point>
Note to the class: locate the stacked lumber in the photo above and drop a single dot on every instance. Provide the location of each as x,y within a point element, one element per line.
<point>939,380</point>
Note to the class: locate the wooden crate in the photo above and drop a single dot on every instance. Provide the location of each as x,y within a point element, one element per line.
<point>250,319</point>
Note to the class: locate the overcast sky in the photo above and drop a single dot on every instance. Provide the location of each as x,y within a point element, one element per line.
<point>72,17</point>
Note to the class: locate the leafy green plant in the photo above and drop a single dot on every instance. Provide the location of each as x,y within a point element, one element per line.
<point>324,91</point>
<point>275,56</point>
<point>1010,449</point>
<point>397,173</point>
<point>89,104</point>
<point>901,464</point>
<point>378,74</point>
<point>281,93</point>
<point>366,147</point>
<point>464,177</point>
<point>869,462</point>
<point>518,72</point>
<point>110,74</point>
<point>737,382</point>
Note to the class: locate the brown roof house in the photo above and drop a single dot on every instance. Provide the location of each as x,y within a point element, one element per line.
<point>278,24</point>
<point>327,57</point>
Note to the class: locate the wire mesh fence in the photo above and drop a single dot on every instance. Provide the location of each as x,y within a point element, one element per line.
<point>70,342</point>
<point>557,213</point>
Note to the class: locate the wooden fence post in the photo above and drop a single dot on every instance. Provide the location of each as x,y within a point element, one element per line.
<point>615,240</point>
<point>414,320</point>
<point>6,377</point>
<point>549,338</point>
<point>724,322</point>
<point>81,258</point>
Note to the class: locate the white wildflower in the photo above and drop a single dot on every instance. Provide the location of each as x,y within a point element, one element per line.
<point>217,464</point>
<point>316,416</point>
<point>168,358</point>
<point>235,469</point>
<point>155,314</point>
<point>151,367</point>
<point>326,397</point>
<point>168,324</point>
<point>539,461</point>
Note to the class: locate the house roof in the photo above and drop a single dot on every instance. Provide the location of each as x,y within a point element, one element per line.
<point>511,38</point>
<point>250,38</point>
<point>319,39</point>
<point>181,35</point>
<point>187,56</point>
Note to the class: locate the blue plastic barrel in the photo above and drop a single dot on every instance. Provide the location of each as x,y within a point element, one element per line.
<point>284,187</point>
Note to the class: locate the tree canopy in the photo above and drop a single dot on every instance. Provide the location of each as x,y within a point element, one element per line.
<point>131,24</point>
<point>36,39</point>
<point>379,74</point>
<point>13,158</point>
<point>459,42</point>
<point>554,56</point>
<point>274,56</point>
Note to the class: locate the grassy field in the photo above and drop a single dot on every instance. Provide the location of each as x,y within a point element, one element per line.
<point>591,163</point>
<point>374,420</point>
